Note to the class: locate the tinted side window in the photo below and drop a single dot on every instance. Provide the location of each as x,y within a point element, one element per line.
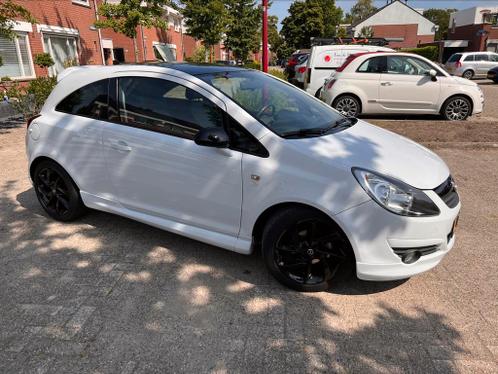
<point>241,140</point>
<point>493,58</point>
<point>373,65</point>
<point>167,107</point>
<point>469,58</point>
<point>482,57</point>
<point>88,101</point>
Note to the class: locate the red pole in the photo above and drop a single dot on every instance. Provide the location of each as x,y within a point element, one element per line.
<point>265,36</point>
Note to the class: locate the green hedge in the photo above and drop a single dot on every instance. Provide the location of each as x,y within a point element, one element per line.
<point>278,73</point>
<point>252,65</point>
<point>430,52</point>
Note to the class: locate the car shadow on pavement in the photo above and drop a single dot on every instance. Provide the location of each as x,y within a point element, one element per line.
<point>110,294</point>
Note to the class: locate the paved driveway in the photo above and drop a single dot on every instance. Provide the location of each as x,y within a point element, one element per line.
<point>109,295</point>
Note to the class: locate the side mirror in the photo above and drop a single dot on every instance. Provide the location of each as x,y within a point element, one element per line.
<point>433,75</point>
<point>212,137</point>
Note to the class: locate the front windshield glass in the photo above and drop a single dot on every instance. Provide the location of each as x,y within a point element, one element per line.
<point>284,109</point>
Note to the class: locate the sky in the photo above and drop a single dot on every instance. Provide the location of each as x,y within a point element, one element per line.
<point>279,7</point>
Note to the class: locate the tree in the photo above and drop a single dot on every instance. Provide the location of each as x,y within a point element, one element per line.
<point>9,12</point>
<point>206,20</point>
<point>366,32</point>
<point>361,10</point>
<point>242,33</point>
<point>342,32</point>
<point>125,17</point>
<point>441,17</point>
<point>332,16</point>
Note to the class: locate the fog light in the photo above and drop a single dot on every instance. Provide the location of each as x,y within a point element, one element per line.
<point>411,257</point>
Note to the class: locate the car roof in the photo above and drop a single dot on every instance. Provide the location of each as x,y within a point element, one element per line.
<point>198,69</point>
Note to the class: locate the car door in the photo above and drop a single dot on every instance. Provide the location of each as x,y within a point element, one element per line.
<point>367,78</point>
<point>406,86</point>
<point>482,63</point>
<point>155,166</point>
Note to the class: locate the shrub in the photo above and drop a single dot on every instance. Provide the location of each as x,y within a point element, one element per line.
<point>199,55</point>
<point>278,73</point>
<point>43,60</point>
<point>28,100</point>
<point>430,52</point>
<point>252,65</point>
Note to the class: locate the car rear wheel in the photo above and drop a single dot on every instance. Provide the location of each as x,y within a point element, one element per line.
<point>56,192</point>
<point>303,249</point>
<point>347,105</point>
<point>457,108</point>
<point>468,74</point>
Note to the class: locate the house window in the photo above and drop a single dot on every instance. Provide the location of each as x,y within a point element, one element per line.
<point>82,2</point>
<point>165,52</point>
<point>63,51</point>
<point>16,57</point>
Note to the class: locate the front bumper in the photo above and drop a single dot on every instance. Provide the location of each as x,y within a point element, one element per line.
<point>373,233</point>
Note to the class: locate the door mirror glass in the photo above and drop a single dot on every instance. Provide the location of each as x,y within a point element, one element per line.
<point>212,137</point>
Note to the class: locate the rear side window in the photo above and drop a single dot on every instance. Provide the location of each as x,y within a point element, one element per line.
<point>373,65</point>
<point>469,58</point>
<point>455,57</point>
<point>88,101</point>
<point>482,57</point>
<point>166,107</point>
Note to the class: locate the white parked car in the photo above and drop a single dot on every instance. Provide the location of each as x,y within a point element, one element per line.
<point>400,83</point>
<point>471,64</point>
<point>241,160</point>
<point>324,59</point>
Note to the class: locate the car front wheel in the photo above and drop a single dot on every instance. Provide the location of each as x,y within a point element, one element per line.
<point>56,192</point>
<point>303,249</point>
<point>457,109</point>
<point>347,105</point>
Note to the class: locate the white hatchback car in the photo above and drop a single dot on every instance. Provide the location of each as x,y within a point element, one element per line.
<point>400,83</point>
<point>242,160</point>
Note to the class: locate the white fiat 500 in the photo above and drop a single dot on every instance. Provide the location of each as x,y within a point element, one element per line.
<point>242,160</point>
<point>400,83</point>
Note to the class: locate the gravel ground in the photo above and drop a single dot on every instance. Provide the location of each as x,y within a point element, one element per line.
<point>109,295</point>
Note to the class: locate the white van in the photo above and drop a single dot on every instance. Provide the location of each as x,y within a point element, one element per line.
<point>326,58</point>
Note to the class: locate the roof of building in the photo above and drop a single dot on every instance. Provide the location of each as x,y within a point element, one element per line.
<point>387,5</point>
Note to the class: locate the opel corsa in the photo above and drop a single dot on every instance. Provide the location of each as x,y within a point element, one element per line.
<point>239,159</point>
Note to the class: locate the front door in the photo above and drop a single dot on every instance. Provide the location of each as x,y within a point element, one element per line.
<point>155,166</point>
<point>406,86</point>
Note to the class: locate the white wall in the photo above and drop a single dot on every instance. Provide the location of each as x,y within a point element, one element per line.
<point>470,16</point>
<point>398,14</point>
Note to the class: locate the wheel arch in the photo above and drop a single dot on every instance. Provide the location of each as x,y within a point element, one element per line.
<point>263,218</point>
<point>468,97</point>
<point>356,96</point>
<point>39,159</point>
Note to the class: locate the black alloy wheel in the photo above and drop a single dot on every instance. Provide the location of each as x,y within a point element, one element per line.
<point>303,250</point>
<point>56,192</point>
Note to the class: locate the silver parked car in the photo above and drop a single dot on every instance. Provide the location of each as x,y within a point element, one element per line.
<point>471,64</point>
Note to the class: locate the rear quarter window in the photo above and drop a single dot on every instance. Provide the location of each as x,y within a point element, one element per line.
<point>455,57</point>
<point>87,101</point>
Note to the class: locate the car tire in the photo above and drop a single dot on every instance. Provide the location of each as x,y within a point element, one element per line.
<point>457,108</point>
<point>347,105</point>
<point>468,74</point>
<point>303,249</point>
<point>57,193</point>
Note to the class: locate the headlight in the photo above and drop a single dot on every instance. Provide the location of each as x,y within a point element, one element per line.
<point>394,195</point>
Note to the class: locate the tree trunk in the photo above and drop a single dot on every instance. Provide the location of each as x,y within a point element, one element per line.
<point>135,48</point>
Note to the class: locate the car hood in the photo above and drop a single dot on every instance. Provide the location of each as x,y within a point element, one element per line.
<point>370,147</point>
<point>462,81</point>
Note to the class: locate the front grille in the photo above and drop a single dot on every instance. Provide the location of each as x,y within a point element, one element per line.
<point>448,193</point>
<point>412,254</point>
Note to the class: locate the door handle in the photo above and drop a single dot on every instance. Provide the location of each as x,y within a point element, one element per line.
<point>121,146</point>
<point>386,84</point>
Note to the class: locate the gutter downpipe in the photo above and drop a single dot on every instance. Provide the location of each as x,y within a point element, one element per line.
<point>98,31</point>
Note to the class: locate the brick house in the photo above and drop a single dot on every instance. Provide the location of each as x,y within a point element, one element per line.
<point>65,30</point>
<point>400,24</point>
<point>478,26</point>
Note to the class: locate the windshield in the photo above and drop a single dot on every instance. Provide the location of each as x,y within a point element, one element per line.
<point>282,108</point>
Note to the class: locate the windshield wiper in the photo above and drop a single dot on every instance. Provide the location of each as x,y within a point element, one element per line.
<point>319,131</point>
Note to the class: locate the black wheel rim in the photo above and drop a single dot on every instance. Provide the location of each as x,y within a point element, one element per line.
<point>310,252</point>
<point>52,191</point>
